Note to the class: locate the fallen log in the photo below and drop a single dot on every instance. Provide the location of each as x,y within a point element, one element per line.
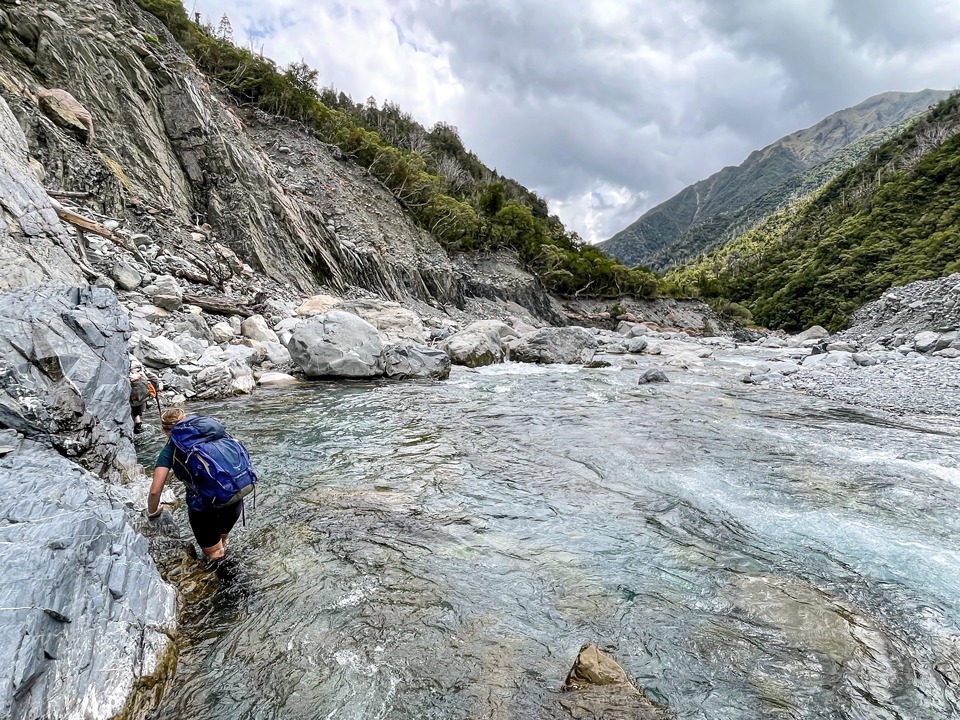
<point>79,195</point>
<point>85,223</point>
<point>219,306</point>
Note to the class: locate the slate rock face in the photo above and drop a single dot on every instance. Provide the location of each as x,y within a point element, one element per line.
<point>64,374</point>
<point>85,610</point>
<point>32,238</point>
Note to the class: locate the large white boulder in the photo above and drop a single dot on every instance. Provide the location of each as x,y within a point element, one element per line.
<point>337,344</point>
<point>555,345</point>
<point>255,327</point>
<point>159,352</point>
<point>480,343</point>
<point>415,361</point>
<point>395,323</point>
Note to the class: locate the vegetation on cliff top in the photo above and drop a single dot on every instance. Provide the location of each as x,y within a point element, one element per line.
<point>445,188</point>
<point>891,220</point>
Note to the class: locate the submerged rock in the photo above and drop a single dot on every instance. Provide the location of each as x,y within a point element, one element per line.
<point>597,688</point>
<point>653,376</point>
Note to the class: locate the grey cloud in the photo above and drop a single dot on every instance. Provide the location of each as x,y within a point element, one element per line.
<point>898,26</point>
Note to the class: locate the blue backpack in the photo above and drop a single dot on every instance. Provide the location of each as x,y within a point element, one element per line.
<point>216,464</point>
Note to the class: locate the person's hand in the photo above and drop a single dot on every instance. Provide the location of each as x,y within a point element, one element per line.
<point>155,515</point>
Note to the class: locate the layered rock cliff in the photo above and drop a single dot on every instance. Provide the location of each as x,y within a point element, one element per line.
<point>169,155</point>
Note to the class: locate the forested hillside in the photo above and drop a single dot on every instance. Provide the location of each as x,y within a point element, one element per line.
<point>726,226</point>
<point>892,219</point>
<point>700,216</point>
<point>446,188</point>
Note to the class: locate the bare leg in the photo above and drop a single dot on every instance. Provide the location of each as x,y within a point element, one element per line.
<point>214,552</point>
<point>224,541</point>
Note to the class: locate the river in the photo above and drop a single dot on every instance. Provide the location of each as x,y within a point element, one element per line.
<point>442,550</point>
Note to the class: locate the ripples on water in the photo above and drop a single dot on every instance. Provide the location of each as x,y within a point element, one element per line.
<point>441,550</point>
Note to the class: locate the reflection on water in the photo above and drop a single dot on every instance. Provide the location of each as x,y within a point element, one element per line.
<point>442,550</point>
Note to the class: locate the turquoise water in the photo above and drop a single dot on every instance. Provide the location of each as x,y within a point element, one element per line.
<point>442,550</point>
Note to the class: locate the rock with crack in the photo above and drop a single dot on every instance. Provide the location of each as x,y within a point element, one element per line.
<point>597,688</point>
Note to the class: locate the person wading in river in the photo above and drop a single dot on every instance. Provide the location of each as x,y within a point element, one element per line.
<point>214,468</point>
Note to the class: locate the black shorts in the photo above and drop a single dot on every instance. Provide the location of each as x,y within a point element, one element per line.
<point>209,525</point>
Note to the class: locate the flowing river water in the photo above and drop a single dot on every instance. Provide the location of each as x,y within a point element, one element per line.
<point>442,550</point>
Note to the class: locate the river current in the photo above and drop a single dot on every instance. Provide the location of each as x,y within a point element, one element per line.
<point>442,550</point>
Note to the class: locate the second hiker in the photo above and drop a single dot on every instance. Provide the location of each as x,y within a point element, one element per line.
<point>214,468</point>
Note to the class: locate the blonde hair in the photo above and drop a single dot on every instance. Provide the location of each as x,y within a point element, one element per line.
<point>171,416</point>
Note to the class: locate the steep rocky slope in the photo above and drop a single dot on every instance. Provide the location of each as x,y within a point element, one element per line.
<point>651,238</point>
<point>169,156</point>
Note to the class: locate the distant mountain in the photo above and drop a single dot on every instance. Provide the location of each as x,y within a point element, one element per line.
<point>688,223</point>
<point>890,220</point>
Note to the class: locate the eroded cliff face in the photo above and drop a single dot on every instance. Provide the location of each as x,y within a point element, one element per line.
<point>168,155</point>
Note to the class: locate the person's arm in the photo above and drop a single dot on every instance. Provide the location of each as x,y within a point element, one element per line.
<point>160,472</point>
<point>156,489</point>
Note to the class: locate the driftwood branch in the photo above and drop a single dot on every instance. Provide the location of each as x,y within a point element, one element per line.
<point>219,306</point>
<point>84,223</point>
<point>79,195</point>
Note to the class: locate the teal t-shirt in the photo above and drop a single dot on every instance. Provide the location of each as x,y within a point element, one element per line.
<point>166,459</point>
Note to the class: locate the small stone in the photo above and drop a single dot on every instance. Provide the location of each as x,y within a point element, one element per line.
<point>653,376</point>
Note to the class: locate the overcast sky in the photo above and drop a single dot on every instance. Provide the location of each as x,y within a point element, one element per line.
<point>608,107</point>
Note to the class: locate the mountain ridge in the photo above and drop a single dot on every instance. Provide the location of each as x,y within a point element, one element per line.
<point>734,187</point>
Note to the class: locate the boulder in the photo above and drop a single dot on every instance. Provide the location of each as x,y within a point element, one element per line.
<point>337,344</point>
<point>317,305</point>
<point>171,303</point>
<point>230,377</point>
<point>164,285</point>
<point>159,352</point>
<point>597,687</point>
<point>815,333</point>
<point>395,323</point>
<point>63,374</point>
<point>831,359</point>
<point>67,112</point>
<point>415,361</point>
<point>277,353</point>
<point>125,275</point>
<point>555,345</point>
<point>196,327</point>
<point>284,329</point>
<point>255,327</point>
<point>276,379</point>
<point>653,376</point>
<point>925,342</point>
<point>631,329</point>
<point>222,332</point>
<point>480,343</point>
